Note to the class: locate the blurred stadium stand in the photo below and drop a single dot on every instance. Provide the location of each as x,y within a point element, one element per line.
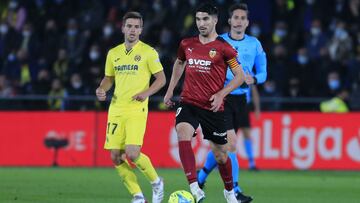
<point>52,51</point>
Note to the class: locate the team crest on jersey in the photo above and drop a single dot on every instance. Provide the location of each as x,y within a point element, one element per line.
<point>137,58</point>
<point>212,53</point>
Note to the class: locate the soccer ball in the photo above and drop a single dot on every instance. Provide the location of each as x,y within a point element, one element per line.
<point>181,196</point>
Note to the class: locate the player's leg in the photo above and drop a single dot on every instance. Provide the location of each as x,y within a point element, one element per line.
<point>115,142</point>
<point>125,172</point>
<point>214,130</point>
<point>185,128</point>
<point>248,148</point>
<point>224,165</point>
<point>210,162</point>
<point>235,168</point>
<point>232,113</point>
<point>233,157</point>
<point>209,165</point>
<point>245,125</point>
<point>135,128</point>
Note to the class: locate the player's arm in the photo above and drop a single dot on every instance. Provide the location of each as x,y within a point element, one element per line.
<point>256,100</point>
<point>238,79</point>
<point>260,67</point>
<point>158,83</point>
<point>178,70</point>
<point>106,83</point>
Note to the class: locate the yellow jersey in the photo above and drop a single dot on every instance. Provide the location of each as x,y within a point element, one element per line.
<point>132,71</point>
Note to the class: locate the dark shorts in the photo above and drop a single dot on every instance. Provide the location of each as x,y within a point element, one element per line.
<point>212,123</point>
<point>236,112</point>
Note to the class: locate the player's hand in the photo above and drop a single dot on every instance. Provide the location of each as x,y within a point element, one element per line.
<point>249,79</point>
<point>167,100</point>
<point>216,101</point>
<point>142,96</point>
<point>100,94</point>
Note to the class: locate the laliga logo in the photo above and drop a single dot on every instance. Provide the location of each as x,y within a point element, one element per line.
<point>301,145</point>
<point>353,148</point>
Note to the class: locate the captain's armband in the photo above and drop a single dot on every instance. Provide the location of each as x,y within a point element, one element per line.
<point>233,63</point>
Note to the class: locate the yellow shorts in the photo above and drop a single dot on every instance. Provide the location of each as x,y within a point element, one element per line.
<point>126,129</point>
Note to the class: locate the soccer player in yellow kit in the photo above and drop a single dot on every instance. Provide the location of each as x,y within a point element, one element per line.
<point>131,65</point>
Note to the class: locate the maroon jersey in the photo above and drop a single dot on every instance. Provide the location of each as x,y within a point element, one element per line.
<point>205,69</point>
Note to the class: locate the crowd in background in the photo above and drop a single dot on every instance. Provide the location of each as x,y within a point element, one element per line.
<point>58,47</point>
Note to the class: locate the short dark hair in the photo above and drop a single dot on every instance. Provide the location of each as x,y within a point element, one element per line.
<point>132,14</point>
<point>241,6</point>
<point>207,8</point>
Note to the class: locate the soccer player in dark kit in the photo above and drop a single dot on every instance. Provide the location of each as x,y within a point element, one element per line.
<point>204,58</point>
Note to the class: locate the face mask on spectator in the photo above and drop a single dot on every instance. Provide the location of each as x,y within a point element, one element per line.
<point>315,31</point>
<point>280,32</point>
<point>94,55</point>
<point>255,31</point>
<point>11,57</point>
<point>302,59</point>
<point>310,2</point>
<point>76,84</point>
<point>26,33</point>
<point>72,32</point>
<point>340,33</point>
<point>4,29</point>
<point>334,84</point>
<point>108,30</point>
<point>13,4</point>
<point>156,6</point>
<point>269,89</point>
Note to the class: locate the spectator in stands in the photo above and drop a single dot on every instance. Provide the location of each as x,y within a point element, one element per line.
<point>15,15</point>
<point>50,41</point>
<point>334,84</point>
<point>57,95</point>
<point>109,37</point>
<point>270,90</point>
<point>337,104</point>
<point>77,88</point>
<point>61,67</point>
<point>6,91</point>
<point>29,41</point>
<point>5,88</point>
<point>73,42</point>
<point>340,46</point>
<point>8,41</point>
<point>316,40</point>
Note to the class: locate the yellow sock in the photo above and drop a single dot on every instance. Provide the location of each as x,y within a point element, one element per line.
<point>143,163</point>
<point>128,177</point>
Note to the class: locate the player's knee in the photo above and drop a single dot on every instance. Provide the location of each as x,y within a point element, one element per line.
<point>220,157</point>
<point>184,131</point>
<point>232,147</point>
<point>183,135</point>
<point>132,154</point>
<point>117,157</point>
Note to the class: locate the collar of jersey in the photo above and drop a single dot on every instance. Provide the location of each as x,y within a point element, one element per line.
<point>133,48</point>
<point>236,39</point>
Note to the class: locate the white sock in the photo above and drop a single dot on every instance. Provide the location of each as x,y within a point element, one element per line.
<point>194,187</point>
<point>156,181</point>
<point>140,194</point>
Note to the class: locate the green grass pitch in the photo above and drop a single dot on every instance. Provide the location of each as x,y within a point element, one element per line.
<point>90,185</point>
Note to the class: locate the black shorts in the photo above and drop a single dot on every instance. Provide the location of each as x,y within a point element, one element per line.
<point>237,112</point>
<point>212,123</point>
